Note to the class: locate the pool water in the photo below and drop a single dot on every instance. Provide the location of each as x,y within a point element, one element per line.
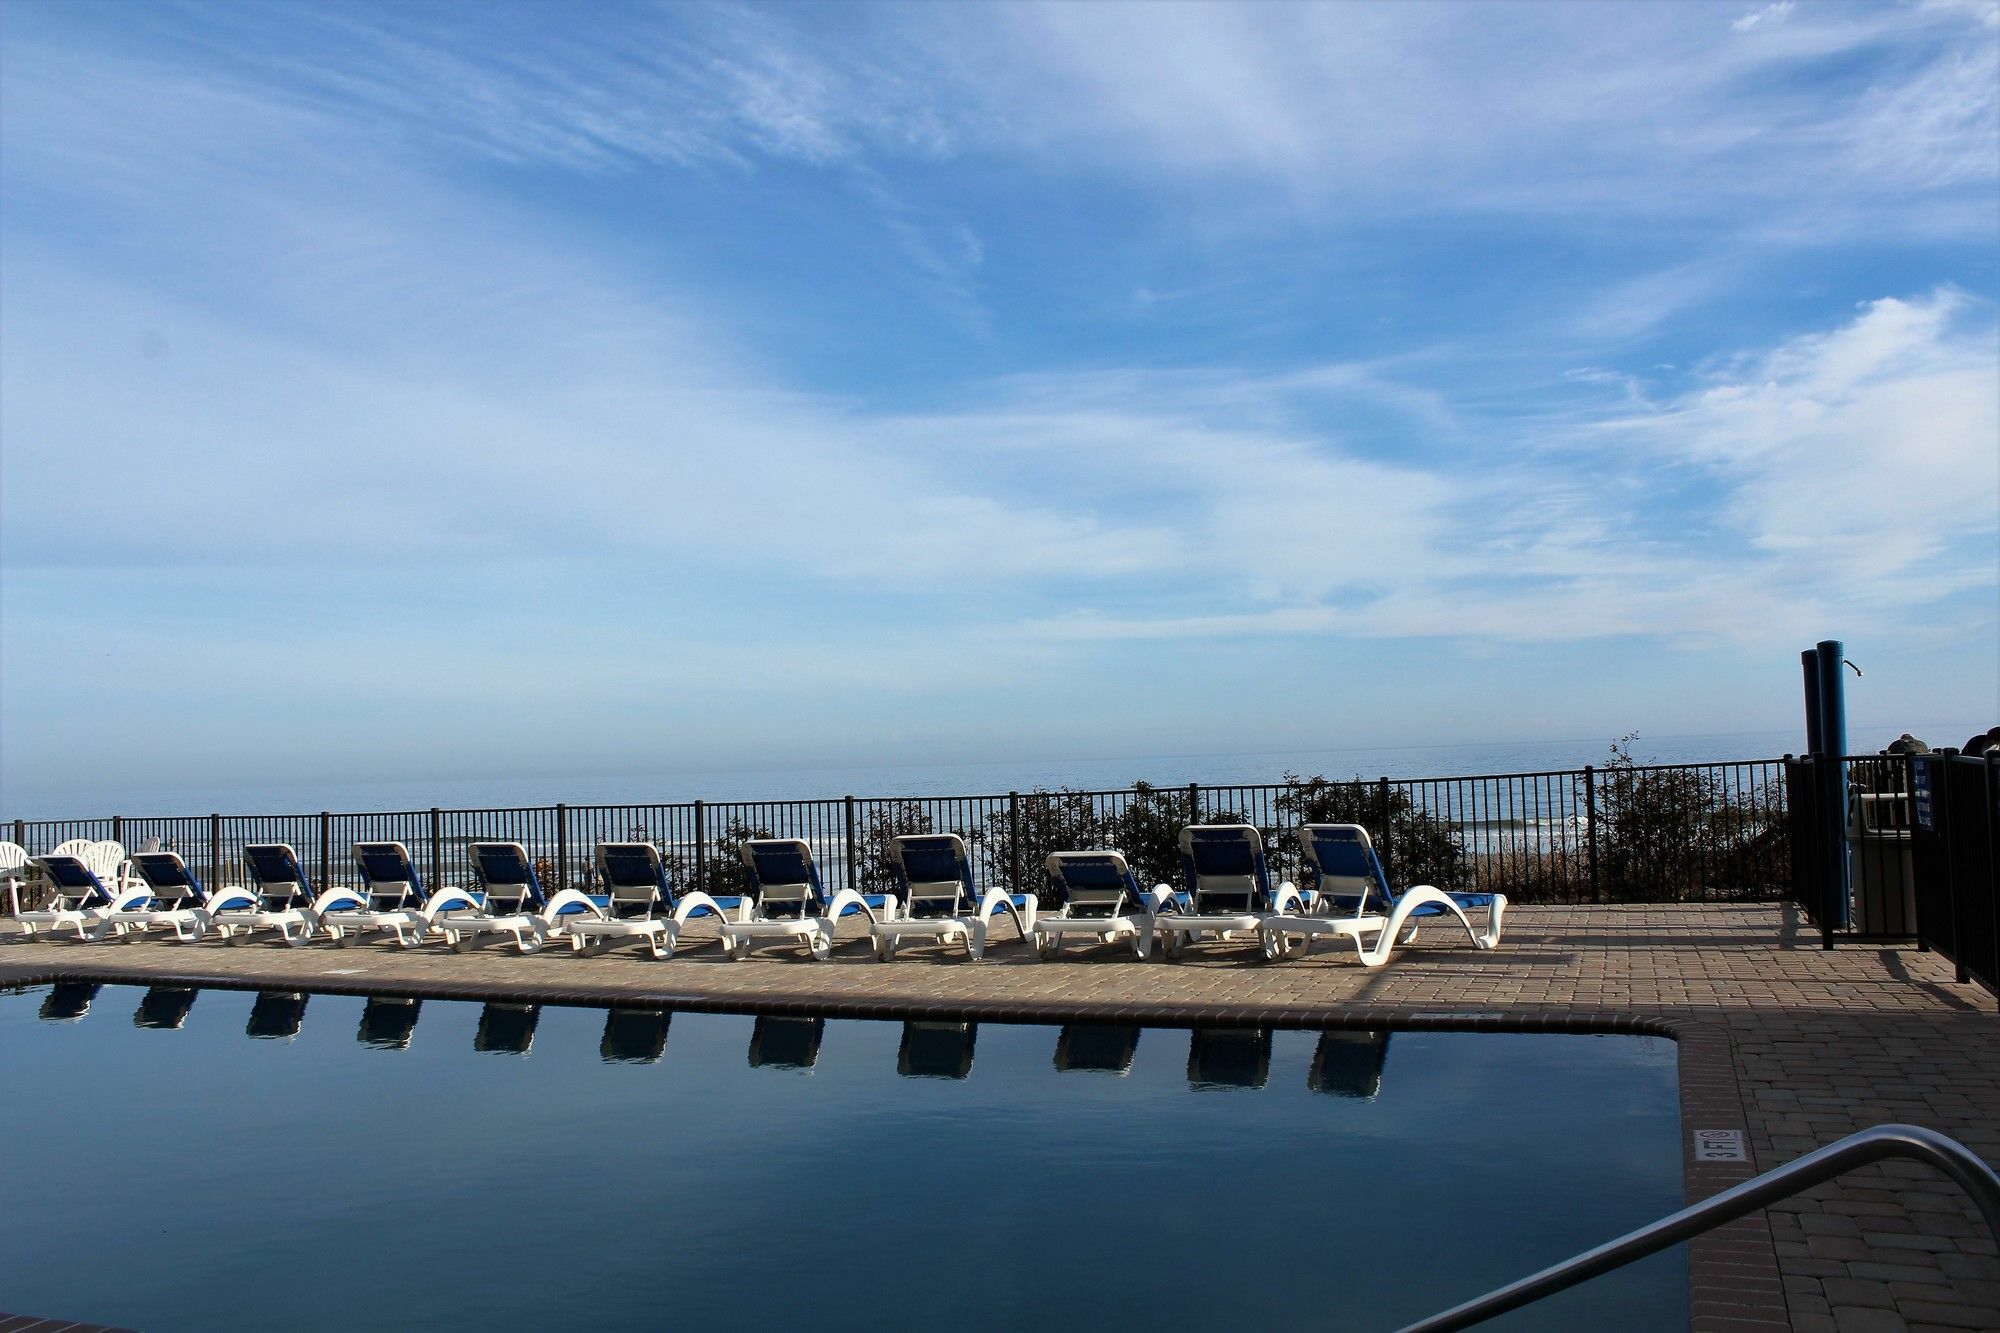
<point>218,1160</point>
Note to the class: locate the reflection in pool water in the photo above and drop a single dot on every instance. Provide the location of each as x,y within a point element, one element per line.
<point>164,1007</point>
<point>1349,1064</point>
<point>388,1023</point>
<point>1229,1058</point>
<point>785,1043</point>
<point>68,1001</point>
<point>936,1050</point>
<point>1096,1047</point>
<point>634,1036</point>
<point>507,1029</point>
<point>1500,1152</point>
<point>276,1015</point>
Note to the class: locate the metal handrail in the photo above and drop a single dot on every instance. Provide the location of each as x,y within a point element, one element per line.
<point>1870,1145</point>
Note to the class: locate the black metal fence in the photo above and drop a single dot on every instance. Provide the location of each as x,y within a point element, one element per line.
<point>1623,833</point>
<point>1906,852</point>
<point>1851,848</point>
<point>1955,822</point>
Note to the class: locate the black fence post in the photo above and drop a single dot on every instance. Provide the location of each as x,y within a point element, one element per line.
<point>701,845</point>
<point>1590,830</point>
<point>215,851</point>
<point>1382,826</point>
<point>20,833</point>
<point>1014,842</point>
<point>853,870</point>
<point>118,829</point>
<point>1194,804</point>
<point>326,852</point>
<point>1989,816</point>
<point>1822,786</point>
<point>562,845</point>
<point>437,845</point>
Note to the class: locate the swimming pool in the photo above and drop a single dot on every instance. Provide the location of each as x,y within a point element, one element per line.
<point>221,1160</point>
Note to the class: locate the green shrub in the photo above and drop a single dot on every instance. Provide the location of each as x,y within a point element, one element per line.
<point>1415,847</point>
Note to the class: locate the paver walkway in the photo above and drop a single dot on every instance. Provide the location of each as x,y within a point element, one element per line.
<point>1795,1045</point>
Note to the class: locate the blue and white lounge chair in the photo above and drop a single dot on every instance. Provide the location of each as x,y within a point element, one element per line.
<point>940,903</point>
<point>508,900</point>
<point>392,898</point>
<point>1225,887</point>
<point>1100,898</point>
<point>787,901</point>
<point>174,899</point>
<point>1346,895</point>
<point>82,901</point>
<point>638,903</point>
<point>279,897</point>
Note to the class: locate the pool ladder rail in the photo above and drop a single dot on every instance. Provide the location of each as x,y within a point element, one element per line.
<point>1815,1168</point>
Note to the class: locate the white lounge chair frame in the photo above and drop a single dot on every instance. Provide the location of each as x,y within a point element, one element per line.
<point>1177,929</point>
<point>282,899</point>
<point>801,889</point>
<point>938,908</point>
<point>1117,909</point>
<point>462,916</point>
<point>1390,919</point>
<point>632,905</point>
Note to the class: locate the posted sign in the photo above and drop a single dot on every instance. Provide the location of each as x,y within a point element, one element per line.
<point>1718,1145</point>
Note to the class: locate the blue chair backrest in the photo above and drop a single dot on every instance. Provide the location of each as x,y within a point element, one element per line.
<point>783,863</point>
<point>77,885</point>
<point>168,877</point>
<point>1222,867</point>
<point>388,874</point>
<point>1098,882</point>
<point>1341,863</point>
<point>627,869</point>
<point>924,861</point>
<point>274,867</point>
<point>503,871</point>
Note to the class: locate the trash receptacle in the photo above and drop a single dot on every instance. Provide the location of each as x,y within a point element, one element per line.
<point>1878,843</point>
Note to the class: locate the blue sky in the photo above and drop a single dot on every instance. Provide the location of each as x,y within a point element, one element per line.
<point>462,391</point>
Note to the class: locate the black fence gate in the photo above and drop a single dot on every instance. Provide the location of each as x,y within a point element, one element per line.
<point>1956,817</point>
<point>1908,853</point>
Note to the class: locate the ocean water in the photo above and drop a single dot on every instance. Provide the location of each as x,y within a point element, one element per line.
<point>307,795</point>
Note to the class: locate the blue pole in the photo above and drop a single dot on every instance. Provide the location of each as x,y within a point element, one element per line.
<point>1809,660</point>
<point>1833,736</point>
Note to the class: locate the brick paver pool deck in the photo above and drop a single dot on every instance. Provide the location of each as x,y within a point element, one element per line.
<point>1795,1045</point>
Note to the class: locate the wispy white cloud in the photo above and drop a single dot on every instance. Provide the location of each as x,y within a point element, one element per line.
<point>1768,15</point>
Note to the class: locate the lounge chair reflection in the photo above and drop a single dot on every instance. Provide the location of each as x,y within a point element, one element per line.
<point>1349,1064</point>
<point>506,1029</point>
<point>785,1043</point>
<point>1229,1057</point>
<point>276,1015</point>
<point>634,1036</point>
<point>69,1001</point>
<point>936,1050</point>
<point>164,1007</point>
<point>1096,1048</point>
<point>388,1022</point>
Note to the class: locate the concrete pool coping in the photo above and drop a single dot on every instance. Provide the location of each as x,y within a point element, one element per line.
<point>1777,1041</point>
